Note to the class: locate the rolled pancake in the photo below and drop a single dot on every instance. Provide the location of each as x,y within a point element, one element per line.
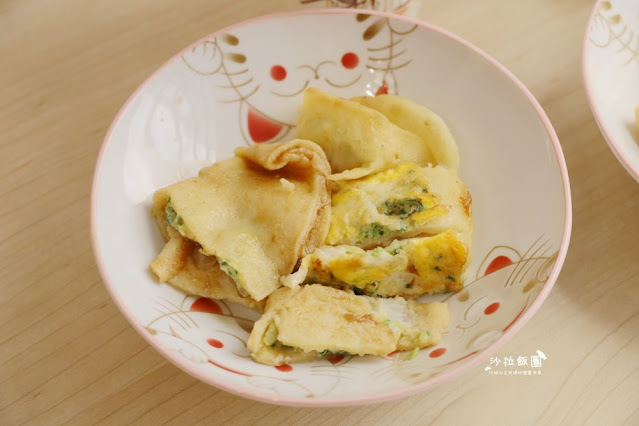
<point>407,268</point>
<point>419,120</point>
<point>309,321</point>
<point>181,265</point>
<point>399,203</point>
<point>357,140</point>
<point>257,213</point>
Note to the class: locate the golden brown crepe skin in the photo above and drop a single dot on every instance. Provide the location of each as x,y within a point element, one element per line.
<point>357,140</point>
<point>315,319</point>
<point>258,212</point>
<point>202,276</point>
<point>419,120</point>
<point>181,265</point>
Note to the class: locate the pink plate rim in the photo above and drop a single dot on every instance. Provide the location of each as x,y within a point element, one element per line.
<point>632,169</point>
<point>342,401</point>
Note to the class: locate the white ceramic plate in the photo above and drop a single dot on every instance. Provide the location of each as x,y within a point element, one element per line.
<point>242,85</point>
<point>611,76</point>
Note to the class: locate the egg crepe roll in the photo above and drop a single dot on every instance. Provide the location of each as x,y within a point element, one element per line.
<point>181,265</point>
<point>357,140</point>
<point>257,213</point>
<point>402,202</point>
<point>407,268</point>
<point>311,321</point>
<point>419,120</point>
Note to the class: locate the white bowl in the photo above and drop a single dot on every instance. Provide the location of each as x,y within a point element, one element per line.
<point>610,64</point>
<point>223,92</point>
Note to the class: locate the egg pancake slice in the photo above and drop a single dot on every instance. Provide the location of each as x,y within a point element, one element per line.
<point>419,120</point>
<point>398,203</point>
<point>357,140</point>
<point>256,213</point>
<point>307,322</point>
<point>183,266</point>
<point>408,268</point>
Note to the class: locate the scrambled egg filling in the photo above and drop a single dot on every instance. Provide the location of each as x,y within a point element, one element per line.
<point>401,202</point>
<point>408,268</point>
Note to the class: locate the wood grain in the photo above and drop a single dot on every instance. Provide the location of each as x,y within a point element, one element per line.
<point>68,356</point>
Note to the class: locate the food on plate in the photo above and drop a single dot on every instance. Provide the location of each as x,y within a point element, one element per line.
<point>357,140</point>
<point>333,235</point>
<point>257,213</point>
<point>307,322</point>
<point>402,202</point>
<point>408,268</point>
<point>409,115</point>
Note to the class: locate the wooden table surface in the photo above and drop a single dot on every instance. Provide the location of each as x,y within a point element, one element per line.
<point>68,355</point>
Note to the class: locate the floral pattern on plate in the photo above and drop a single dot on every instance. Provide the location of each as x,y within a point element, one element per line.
<point>253,83</point>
